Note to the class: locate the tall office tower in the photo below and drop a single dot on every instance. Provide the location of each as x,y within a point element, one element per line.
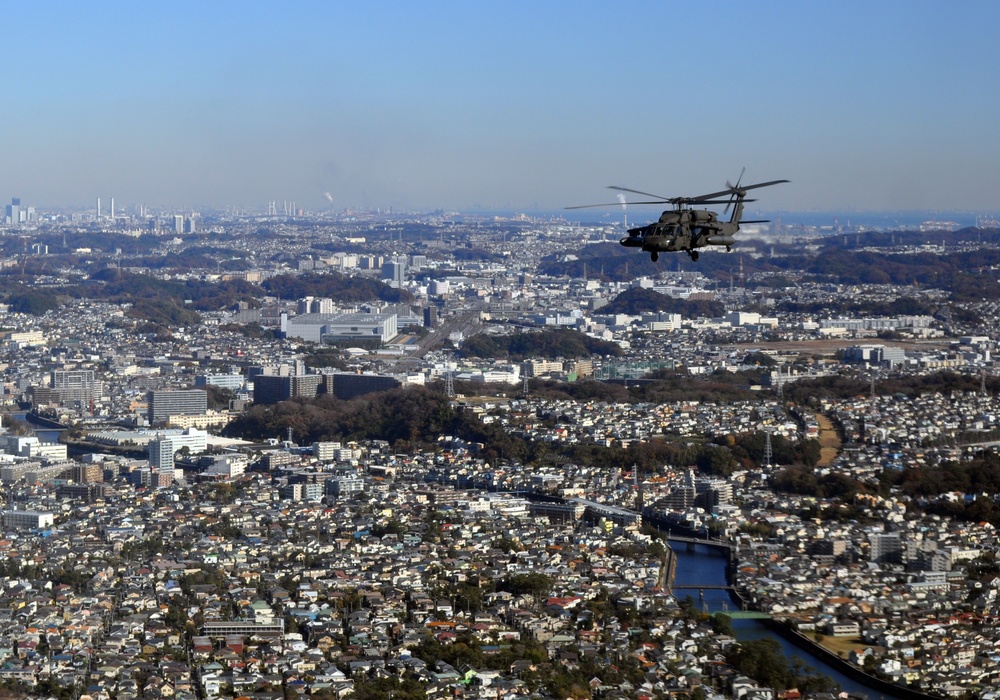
<point>98,207</point>
<point>430,317</point>
<point>112,208</point>
<point>13,213</point>
<point>178,223</point>
<point>395,271</point>
<point>161,404</point>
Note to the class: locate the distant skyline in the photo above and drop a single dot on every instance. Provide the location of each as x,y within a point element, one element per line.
<point>456,105</point>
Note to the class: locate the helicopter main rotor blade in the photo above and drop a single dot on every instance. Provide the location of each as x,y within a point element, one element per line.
<point>644,194</point>
<point>734,190</point>
<point>718,201</point>
<point>616,204</point>
<point>675,200</point>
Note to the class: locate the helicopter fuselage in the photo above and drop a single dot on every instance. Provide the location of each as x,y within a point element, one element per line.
<point>681,231</point>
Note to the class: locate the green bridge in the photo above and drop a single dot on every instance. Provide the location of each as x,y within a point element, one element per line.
<point>745,614</point>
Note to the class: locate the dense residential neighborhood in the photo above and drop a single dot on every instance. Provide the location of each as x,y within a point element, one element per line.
<point>383,469</point>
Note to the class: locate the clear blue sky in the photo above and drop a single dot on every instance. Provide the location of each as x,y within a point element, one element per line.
<point>886,105</point>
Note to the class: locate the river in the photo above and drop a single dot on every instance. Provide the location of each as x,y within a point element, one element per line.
<point>707,565</point>
<point>43,434</point>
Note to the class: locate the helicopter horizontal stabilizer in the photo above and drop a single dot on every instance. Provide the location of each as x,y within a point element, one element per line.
<point>755,221</point>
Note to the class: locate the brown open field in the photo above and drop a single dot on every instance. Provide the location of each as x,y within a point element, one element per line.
<point>841,646</point>
<point>829,441</point>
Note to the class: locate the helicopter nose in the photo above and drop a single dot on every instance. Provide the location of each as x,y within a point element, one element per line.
<point>631,242</point>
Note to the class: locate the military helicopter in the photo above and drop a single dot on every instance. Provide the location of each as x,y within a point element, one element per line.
<point>686,229</point>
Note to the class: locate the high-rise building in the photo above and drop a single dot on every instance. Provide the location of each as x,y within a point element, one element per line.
<point>161,404</point>
<point>14,214</point>
<point>178,223</point>
<point>395,271</point>
<point>162,450</point>
<point>233,382</point>
<point>315,305</point>
<point>430,317</point>
<point>348,386</point>
<point>325,451</point>
<point>272,389</point>
<point>77,386</point>
<point>88,473</point>
<point>886,547</point>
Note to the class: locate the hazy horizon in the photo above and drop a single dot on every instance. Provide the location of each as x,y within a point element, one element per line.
<point>469,106</point>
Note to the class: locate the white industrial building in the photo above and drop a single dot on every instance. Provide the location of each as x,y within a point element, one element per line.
<point>328,328</point>
<point>163,449</point>
<point>26,520</point>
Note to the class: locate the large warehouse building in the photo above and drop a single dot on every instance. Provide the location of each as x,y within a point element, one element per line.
<point>336,328</point>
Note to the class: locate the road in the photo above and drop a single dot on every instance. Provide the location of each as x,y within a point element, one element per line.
<point>464,323</point>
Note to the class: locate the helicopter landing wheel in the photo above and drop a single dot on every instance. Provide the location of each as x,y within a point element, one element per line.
<point>694,255</point>
<point>729,249</point>
<point>654,256</point>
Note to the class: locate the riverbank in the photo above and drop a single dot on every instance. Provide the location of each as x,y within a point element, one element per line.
<point>784,630</point>
<point>707,565</point>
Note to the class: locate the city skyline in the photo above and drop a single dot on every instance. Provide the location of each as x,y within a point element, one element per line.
<point>864,108</point>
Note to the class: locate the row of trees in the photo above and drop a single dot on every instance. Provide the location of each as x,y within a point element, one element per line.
<point>417,417</point>
<point>544,343</point>
<point>175,303</point>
